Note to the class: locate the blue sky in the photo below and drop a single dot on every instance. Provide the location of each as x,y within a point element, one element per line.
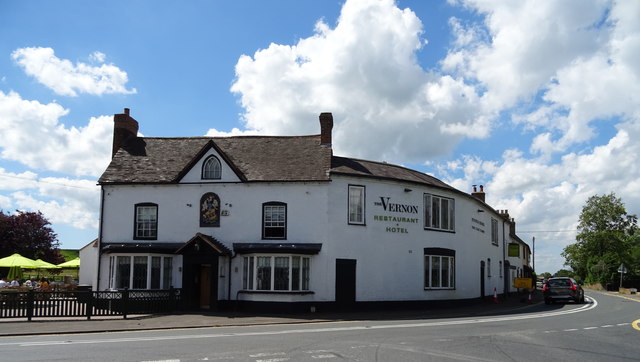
<point>539,102</point>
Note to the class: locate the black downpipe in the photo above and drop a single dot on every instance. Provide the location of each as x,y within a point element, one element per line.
<point>505,284</point>
<point>100,236</point>
<point>229,276</point>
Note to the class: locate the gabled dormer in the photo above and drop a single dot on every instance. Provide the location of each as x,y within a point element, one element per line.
<point>210,166</point>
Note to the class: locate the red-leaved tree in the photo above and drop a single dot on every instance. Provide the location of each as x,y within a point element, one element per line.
<point>29,234</point>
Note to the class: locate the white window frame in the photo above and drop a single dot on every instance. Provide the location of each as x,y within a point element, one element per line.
<point>429,261</point>
<point>274,216</point>
<point>494,231</point>
<point>251,274</point>
<point>489,267</point>
<point>444,213</point>
<point>165,277</point>
<point>356,207</point>
<point>212,168</point>
<point>145,222</point>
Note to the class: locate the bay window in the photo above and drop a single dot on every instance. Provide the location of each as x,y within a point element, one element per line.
<point>140,272</point>
<point>276,273</point>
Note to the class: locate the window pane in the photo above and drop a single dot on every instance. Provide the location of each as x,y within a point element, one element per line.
<point>167,273</point>
<point>427,211</point>
<point>356,204</point>
<point>211,169</point>
<point>281,273</point>
<point>444,204</point>
<point>274,221</point>
<point>452,280</point>
<point>146,221</point>
<point>305,273</point>
<point>263,273</point>
<point>445,272</point>
<point>435,212</point>
<point>427,269</point>
<point>295,273</point>
<point>435,272</point>
<point>452,214</point>
<point>156,262</point>
<point>124,272</point>
<point>140,272</point>
<point>245,272</point>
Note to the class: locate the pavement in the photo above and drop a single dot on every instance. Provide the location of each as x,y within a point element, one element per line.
<point>42,326</point>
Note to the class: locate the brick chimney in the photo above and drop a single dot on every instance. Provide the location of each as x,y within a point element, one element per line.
<point>124,127</point>
<point>478,194</point>
<point>326,125</point>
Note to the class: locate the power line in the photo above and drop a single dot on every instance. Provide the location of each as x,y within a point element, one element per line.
<point>47,182</point>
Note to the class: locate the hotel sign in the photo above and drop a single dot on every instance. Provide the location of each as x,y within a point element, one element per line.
<point>391,207</point>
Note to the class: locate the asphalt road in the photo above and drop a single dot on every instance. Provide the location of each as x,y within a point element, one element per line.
<point>604,329</point>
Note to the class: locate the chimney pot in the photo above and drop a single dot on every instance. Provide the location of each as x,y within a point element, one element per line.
<point>326,125</point>
<point>126,111</point>
<point>478,194</point>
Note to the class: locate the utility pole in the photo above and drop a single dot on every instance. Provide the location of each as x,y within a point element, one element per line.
<point>534,254</point>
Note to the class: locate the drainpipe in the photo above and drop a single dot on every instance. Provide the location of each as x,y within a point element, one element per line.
<point>505,281</point>
<point>229,279</point>
<point>100,236</point>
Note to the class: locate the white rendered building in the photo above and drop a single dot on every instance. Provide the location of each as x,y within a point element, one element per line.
<point>282,222</point>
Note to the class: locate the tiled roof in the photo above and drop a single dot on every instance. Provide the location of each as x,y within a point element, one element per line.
<point>253,158</point>
<point>382,170</point>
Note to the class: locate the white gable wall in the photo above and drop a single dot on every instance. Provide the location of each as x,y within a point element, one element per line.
<point>195,174</point>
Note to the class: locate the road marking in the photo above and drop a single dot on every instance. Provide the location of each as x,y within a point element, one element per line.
<point>607,326</point>
<point>636,325</point>
<point>570,330</point>
<point>457,322</point>
<point>266,354</point>
<point>623,297</point>
<point>587,328</point>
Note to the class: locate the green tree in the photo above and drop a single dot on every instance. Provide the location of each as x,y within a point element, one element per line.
<point>564,273</point>
<point>606,238</point>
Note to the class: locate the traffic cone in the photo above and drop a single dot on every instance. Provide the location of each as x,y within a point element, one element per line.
<point>495,295</point>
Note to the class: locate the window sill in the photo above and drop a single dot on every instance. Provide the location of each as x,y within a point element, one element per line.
<point>288,292</point>
<point>431,289</point>
<point>441,230</point>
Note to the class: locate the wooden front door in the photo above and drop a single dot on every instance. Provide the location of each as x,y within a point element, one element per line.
<point>205,286</point>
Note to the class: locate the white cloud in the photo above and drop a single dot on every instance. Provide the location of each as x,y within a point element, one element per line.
<point>98,57</point>
<point>61,199</point>
<point>17,181</point>
<point>32,135</point>
<point>365,72</point>
<point>68,79</point>
<point>78,208</point>
<point>548,197</point>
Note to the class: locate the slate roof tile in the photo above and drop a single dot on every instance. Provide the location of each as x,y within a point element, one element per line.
<point>254,158</point>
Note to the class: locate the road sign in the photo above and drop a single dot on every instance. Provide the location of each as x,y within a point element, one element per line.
<point>622,269</point>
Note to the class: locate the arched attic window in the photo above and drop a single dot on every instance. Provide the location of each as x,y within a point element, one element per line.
<point>211,169</point>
